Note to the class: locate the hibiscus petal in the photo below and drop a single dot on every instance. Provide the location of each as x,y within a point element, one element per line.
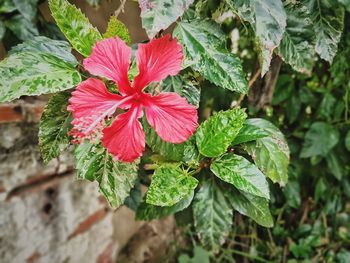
<point>157,59</point>
<point>173,118</point>
<point>125,138</point>
<point>90,104</point>
<point>110,58</point>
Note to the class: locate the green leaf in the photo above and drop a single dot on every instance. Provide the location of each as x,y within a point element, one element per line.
<point>185,151</point>
<point>347,141</point>
<point>117,28</point>
<point>115,179</point>
<point>328,21</point>
<point>319,140</point>
<point>199,256</point>
<point>183,87</point>
<point>271,153</point>
<point>297,46</point>
<point>345,3</point>
<point>2,30</point>
<point>27,8</point>
<point>157,15</point>
<point>75,26</point>
<point>249,133</point>
<point>268,18</point>
<point>215,134</point>
<point>21,27</point>
<point>241,173</point>
<point>35,74</point>
<point>54,126</point>
<point>212,215</point>
<point>41,44</point>
<point>169,185</point>
<point>7,6</point>
<point>255,207</point>
<point>204,45</point>
<point>149,212</point>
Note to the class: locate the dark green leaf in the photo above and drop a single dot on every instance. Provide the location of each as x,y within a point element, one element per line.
<point>169,185</point>
<point>297,46</point>
<point>54,126</point>
<point>335,165</point>
<point>319,140</point>
<point>28,8</point>
<point>271,153</point>
<point>269,21</point>
<point>183,87</point>
<point>115,179</point>
<point>75,26</point>
<point>255,207</point>
<point>212,215</point>
<point>347,141</point>
<point>149,212</point>
<point>293,108</point>
<point>328,21</point>
<point>185,151</point>
<point>292,194</point>
<point>241,173</point>
<point>21,27</point>
<point>249,133</point>
<point>2,30</point>
<point>117,28</point>
<point>157,15</point>
<point>35,74</point>
<point>215,134</point>
<point>41,44</point>
<point>204,45</point>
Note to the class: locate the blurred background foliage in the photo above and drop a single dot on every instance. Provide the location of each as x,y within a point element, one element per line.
<point>312,211</point>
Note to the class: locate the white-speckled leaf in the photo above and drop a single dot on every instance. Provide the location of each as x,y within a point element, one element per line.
<point>157,15</point>
<point>115,179</point>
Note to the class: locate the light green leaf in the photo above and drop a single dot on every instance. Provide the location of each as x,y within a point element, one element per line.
<point>271,153</point>
<point>117,28</point>
<point>157,15</point>
<point>149,212</point>
<point>255,207</point>
<point>54,126</point>
<point>347,141</point>
<point>215,134</point>
<point>212,215</point>
<point>28,8</point>
<point>319,140</point>
<point>169,185</point>
<point>21,27</point>
<point>297,46</point>
<point>204,45</point>
<point>249,133</point>
<point>268,18</point>
<point>241,173</point>
<point>328,21</point>
<point>75,26</point>
<point>183,87</point>
<point>41,44</point>
<point>115,179</point>
<point>35,74</point>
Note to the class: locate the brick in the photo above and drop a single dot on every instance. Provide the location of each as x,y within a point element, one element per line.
<point>10,113</point>
<point>89,222</point>
<point>34,257</point>
<point>107,256</point>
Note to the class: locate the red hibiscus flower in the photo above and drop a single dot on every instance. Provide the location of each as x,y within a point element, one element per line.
<point>91,103</point>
